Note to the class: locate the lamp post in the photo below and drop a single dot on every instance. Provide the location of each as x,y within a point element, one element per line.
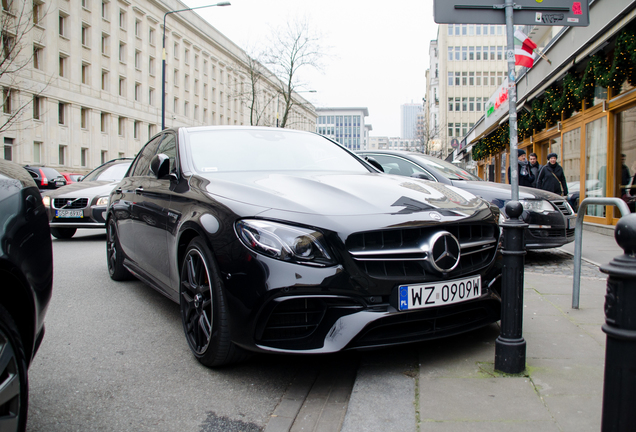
<point>163,57</point>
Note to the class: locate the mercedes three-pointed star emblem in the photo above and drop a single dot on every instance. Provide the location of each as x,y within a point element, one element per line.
<point>444,251</point>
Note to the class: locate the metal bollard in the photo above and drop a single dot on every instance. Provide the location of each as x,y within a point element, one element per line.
<point>619,388</point>
<point>510,347</point>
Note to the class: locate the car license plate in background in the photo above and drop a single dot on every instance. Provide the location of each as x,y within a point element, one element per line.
<point>439,293</point>
<point>69,213</point>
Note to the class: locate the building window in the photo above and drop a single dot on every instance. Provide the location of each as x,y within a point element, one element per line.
<point>450,53</point>
<point>37,152</point>
<point>122,52</point>
<point>456,104</point>
<point>471,53</point>
<point>205,91</point>
<point>457,78</point>
<point>457,53</point>
<point>492,52</point>
<point>478,104</point>
<point>85,73</point>
<point>6,100</point>
<point>196,87</point>
<point>138,28</point>
<point>499,53</point>
<point>499,78</point>
<point>450,129</point>
<point>62,62</point>
<point>121,123</point>
<point>151,130</point>
<point>205,67</point>
<point>104,156</point>
<point>85,35</point>
<point>492,79</point>
<point>478,53</point>
<point>122,86</point>
<point>103,120</point>
<point>471,30</point>
<point>196,112</point>
<point>175,105</point>
<point>151,96</point>
<point>136,127</point>
<point>186,56</point>
<point>37,107</point>
<point>471,78</point>
<point>37,58</point>
<point>104,80</point>
<point>105,44</point>
<point>61,155</point>
<point>84,118</point>
<point>151,36</point>
<point>464,29</point>
<point>186,82</point>
<point>122,19</point>
<point>83,157</point>
<point>8,149</point>
<point>186,106</point>
<point>138,59</point>
<point>471,104</point>
<point>175,50</point>
<point>464,104</point>
<point>62,25</point>
<point>175,78</point>
<point>37,12</point>
<point>137,92</point>
<point>450,103</point>
<point>464,78</point>
<point>104,9</point>
<point>61,113</point>
<point>196,61</point>
<point>151,66</point>
<point>464,53</point>
<point>478,30</point>
<point>450,29</point>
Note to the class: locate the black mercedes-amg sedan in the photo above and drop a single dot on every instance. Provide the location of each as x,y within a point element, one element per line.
<point>274,240</point>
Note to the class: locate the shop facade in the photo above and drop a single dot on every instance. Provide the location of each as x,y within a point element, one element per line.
<point>581,106</point>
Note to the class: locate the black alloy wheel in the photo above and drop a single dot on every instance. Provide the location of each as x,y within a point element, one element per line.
<point>203,311</point>
<point>114,255</point>
<point>14,387</point>
<point>63,233</point>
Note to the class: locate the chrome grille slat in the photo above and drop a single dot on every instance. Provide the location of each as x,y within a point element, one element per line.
<point>563,207</point>
<point>76,203</point>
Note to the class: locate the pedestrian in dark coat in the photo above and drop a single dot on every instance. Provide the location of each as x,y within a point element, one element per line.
<point>551,177</point>
<point>526,178</point>
<point>535,167</point>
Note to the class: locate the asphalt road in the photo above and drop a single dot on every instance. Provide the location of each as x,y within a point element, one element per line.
<point>114,358</point>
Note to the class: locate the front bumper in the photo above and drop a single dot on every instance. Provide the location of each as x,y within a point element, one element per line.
<point>92,217</point>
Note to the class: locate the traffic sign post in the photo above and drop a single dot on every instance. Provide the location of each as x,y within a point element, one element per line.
<point>510,347</point>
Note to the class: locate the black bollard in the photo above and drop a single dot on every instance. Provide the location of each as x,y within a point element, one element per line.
<point>619,388</point>
<point>510,347</point>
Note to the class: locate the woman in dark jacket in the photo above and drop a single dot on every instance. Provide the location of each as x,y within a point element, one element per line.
<point>551,177</point>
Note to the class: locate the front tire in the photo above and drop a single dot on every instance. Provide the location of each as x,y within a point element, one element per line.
<point>114,254</point>
<point>14,385</point>
<point>63,233</point>
<point>203,310</point>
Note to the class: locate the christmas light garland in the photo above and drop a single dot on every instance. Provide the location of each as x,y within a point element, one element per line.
<point>564,98</point>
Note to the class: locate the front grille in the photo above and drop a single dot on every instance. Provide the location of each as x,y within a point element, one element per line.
<point>398,253</point>
<point>70,203</point>
<point>548,233</point>
<point>563,207</point>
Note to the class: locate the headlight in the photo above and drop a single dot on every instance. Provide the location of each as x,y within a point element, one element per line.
<point>46,200</point>
<point>502,218</point>
<point>284,242</point>
<point>102,201</point>
<point>536,205</point>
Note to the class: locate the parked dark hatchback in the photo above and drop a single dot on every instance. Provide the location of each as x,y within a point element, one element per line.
<point>26,272</point>
<point>549,217</point>
<point>276,240</point>
<point>46,177</point>
<point>83,204</point>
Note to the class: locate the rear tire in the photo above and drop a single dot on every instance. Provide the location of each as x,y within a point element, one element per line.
<point>63,233</point>
<point>203,310</point>
<point>14,383</point>
<point>114,254</point>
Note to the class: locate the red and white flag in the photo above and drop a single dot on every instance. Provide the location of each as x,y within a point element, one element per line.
<point>523,50</point>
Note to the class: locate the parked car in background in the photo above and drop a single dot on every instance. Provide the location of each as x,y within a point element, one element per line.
<point>83,204</point>
<point>276,240</point>
<point>26,272</point>
<point>72,177</point>
<point>550,218</point>
<point>46,177</point>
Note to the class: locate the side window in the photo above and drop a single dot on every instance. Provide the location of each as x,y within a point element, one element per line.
<point>168,147</point>
<point>397,166</point>
<point>142,163</point>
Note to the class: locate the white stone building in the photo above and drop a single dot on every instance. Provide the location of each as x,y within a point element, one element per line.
<point>344,125</point>
<point>92,82</point>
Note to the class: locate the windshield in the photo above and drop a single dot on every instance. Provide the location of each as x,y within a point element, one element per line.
<point>449,170</point>
<point>108,172</point>
<point>226,150</point>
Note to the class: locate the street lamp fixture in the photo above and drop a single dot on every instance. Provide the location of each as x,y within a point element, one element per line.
<point>163,56</point>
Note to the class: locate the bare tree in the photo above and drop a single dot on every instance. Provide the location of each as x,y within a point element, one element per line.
<point>18,43</point>
<point>426,132</point>
<point>291,49</point>
<point>254,95</point>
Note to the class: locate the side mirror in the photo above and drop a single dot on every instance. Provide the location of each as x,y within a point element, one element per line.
<point>160,165</point>
<point>374,163</point>
<point>80,178</point>
<point>423,176</point>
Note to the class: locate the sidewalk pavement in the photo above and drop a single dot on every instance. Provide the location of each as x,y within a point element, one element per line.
<point>457,389</point>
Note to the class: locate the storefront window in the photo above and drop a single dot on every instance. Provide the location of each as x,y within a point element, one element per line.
<point>626,151</point>
<point>571,163</point>
<point>600,94</point>
<point>596,164</point>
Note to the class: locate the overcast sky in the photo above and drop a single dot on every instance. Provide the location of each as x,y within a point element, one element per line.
<point>378,50</point>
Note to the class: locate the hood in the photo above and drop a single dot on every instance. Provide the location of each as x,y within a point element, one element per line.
<point>338,194</point>
<point>82,189</point>
<point>500,193</point>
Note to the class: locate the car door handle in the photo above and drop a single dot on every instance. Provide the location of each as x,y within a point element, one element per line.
<point>140,189</point>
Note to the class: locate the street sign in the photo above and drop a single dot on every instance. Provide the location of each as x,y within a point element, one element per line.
<point>570,13</point>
